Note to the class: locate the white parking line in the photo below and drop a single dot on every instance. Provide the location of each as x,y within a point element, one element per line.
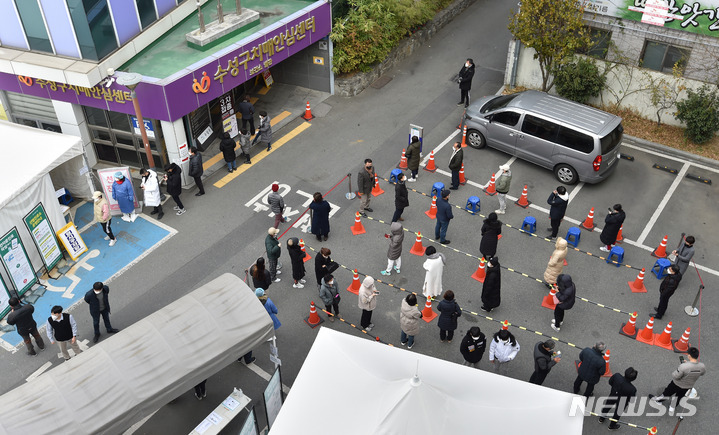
<point>575,191</point>
<point>663,203</point>
<point>439,147</point>
<point>264,375</point>
<point>39,371</point>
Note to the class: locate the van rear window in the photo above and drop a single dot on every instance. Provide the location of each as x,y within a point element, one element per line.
<point>610,141</point>
<point>575,140</point>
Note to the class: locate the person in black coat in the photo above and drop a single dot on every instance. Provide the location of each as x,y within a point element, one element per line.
<point>99,306</point>
<point>248,113</point>
<point>448,312</point>
<point>544,360</point>
<point>322,263</point>
<point>666,290</point>
<point>297,258</point>
<point>612,223</point>
<point>621,394</point>
<point>465,81</point>
<point>444,215</point>
<point>261,277</point>
<point>227,146</point>
<point>491,229</point>
<point>492,286</point>
<point>557,201</point>
<point>591,368</point>
<point>320,216</point>
<point>401,199</point>
<point>21,318</point>
<point>473,346</point>
<point>174,185</point>
<point>566,295</point>
<point>196,170</point>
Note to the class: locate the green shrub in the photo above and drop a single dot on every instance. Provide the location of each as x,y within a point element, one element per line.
<point>700,112</point>
<point>579,80</point>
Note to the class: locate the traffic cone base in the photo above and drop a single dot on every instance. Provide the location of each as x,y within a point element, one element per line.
<point>588,223</point>
<point>682,345</point>
<point>665,338</point>
<point>308,113</point>
<point>490,189</point>
<point>358,228</point>
<point>376,190</point>
<point>417,248</point>
<point>661,251</point>
<point>629,329</point>
<point>314,320</point>
<point>637,286</point>
<point>523,201</point>
<point>428,313</point>
<point>430,164</point>
<point>646,335</point>
<point>481,271</point>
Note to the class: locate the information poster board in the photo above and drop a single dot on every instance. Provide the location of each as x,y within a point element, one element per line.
<point>16,262</point>
<point>107,177</point>
<point>71,240</point>
<point>273,397</point>
<point>250,427</point>
<point>4,298</point>
<point>43,235</point>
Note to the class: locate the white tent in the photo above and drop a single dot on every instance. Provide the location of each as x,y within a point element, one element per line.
<point>135,372</point>
<point>373,392</point>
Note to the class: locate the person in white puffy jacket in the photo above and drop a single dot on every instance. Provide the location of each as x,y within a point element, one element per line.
<point>502,351</point>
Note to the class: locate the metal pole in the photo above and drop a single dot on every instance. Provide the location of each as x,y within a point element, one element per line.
<point>349,194</point>
<point>238,6</point>
<point>143,132</point>
<point>201,17</point>
<point>220,15</point>
<point>692,309</point>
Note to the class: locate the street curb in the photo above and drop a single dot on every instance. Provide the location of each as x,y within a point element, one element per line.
<point>673,151</point>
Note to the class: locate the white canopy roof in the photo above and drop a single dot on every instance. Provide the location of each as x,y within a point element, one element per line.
<point>375,394</point>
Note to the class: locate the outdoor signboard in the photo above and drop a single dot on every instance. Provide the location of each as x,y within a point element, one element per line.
<point>250,426</point>
<point>107,177</point>
<point>4,298</point>
<point>43,235</point>
<point>273,397</point>
<point>16,261</point>
<point>71,240</point>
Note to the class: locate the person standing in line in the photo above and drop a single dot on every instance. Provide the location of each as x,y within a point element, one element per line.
<point>261,277</point>
<point>99,306</point>
<point>367,302</point>
<point>556,262</point>
<point>394,253</point>
<point>330,295</point>
<point>196,170</point>
<point>322,263</point>
<point>409,316</point>
<point>274,250</point>
<point>434,265</point>
<point>620,395</point>
<point>173,178</point>
<point>264,133</point>
<point>455,164</point>
<point>61,327</point>
<point>124,194</point>
<point>21,318</point>
<point>566,296</point>
<point>684,254</point>
<point>102,215</point>
<point>503,350</point>
<point>401,197</point>
<point>465,82</point>
<point>492,286</point>
<point>444,215</point>
<point>151,186</point>
<point>544,360</point>
<point>246,145</point>
<point>449,311</point>
<point>277,204</point>
<point>270,306</point>
<point>227,146</point>
<point>247,110</point>
<point>591,368</point>
<point>612,224</point>
<point>320,216</point>
<point>491,229</point>
<point>413,155</point>
<point>365,183</point>
<point>298,262</point>
<point>502,187</point>
<point>669,285</point>
<point>558,201</point>
<point>683,379</point>
<point>472,347</point>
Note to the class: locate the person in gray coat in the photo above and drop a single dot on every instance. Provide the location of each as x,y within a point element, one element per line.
<point>409,316</point>
<point>365,183</point>
<point>504,180</point>
<point>394,253</point>
<point>330,295</point>
<point>277,204</point>
<point>684,254</point>
<point>245,144</point>
<point>544,359</point>
<point>591,368</point>
<point>683,378</point>
<point>264,133</point>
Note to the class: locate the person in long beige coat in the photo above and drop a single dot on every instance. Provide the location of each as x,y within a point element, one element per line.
<point>409,316</point>
<point>556,261</point>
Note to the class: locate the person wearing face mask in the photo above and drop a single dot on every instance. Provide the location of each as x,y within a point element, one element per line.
<point>151,186</point>
<point>492,286</point>
<point>264,133</point>
<point>21,318</point>
<point>503,350</point>
<point>401,199</point>
<point>123,193</point>
<point>465,81</point>
<point>330,295</point>
<point>99,306</point>
<point>473,346</point>
<point>103,217</point>
<point>365,183</point>
<point>61,327</point>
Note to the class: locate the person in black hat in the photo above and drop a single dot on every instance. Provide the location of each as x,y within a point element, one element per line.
<point>666,290</point>
<point>444,215</point>
<point>492,286</point>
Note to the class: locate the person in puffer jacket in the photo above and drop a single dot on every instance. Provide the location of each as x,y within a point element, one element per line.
<point>503,350</point>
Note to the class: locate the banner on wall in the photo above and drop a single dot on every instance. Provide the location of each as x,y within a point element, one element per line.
<point>43,235</point>
<point>4,298</point>
<point>16,261</point>
<point>71,240</point>
<point>107,177</point>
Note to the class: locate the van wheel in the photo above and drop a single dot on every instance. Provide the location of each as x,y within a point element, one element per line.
<point>566,174</point>
<point>475,139</point>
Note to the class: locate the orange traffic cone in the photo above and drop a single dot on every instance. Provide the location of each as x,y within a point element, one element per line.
<point>358,228</point>
<point>490,190</point>
<point>314,320</point>
<point>430,164</point>
<point>629,329</point>
<point>619,234</point>
<point>505,325</point>
<point>417,249</point>
<point>462,180</point>
<point>376,190</point>
<point>646,335</point>
<point>665,338</point>
<point>661,251</point>
<point>403,160</point>
<point>522,201</point>
<point>355,286</point>
<point>308,113</point>
<point>682,345</point>
<point>637,286</point>
<point>307,256</point>
<point>432,212</point>
<point>588,223</point>
<point>548,300</point>
<point>607,370</point>
<point>464,137</point>
<point>428,313</point>
<point>481,272</point>
<point>653,431</point>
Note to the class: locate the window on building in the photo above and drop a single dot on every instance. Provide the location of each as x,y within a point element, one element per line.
<point>598,43</point>
<point>663,57</point>
<point>34,25</point>
<point>93,27</point>
<point>148,15</point>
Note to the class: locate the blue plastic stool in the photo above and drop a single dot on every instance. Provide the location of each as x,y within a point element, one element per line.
<point>65,198</point>
<point>660,268</point>
<point>619,252</point>
<point>394,175</point>
<point>530,222</point>
<point>437,189</point>
<point>576,233</point>
<point>473,205</point>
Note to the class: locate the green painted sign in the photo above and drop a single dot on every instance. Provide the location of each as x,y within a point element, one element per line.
<point>14,257</point>
<point>43,235</point>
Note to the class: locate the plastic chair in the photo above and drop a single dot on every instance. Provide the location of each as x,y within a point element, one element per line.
<point>473,205</point>
<point>660,268</point>
<point>619,252</point>
<point>437,189</point>
<point>394,175</point>
<point>65,198</point>
<point>531,223</point>
<point>576,233</point>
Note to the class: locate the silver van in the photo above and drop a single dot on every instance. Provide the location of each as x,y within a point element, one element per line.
<point>575,141</point>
